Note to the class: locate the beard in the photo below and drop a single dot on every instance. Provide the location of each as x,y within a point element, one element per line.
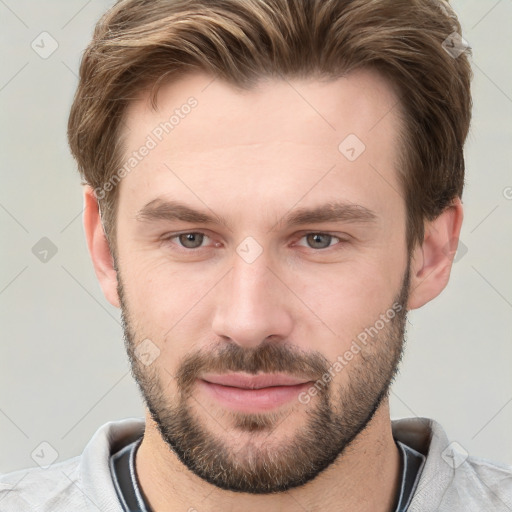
<point>267,462</point>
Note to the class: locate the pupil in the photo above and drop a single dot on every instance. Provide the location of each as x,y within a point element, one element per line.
<point>317,239</point>
<point>190,240</point>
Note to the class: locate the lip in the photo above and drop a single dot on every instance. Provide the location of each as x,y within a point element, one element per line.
<point>247,381</point>
<point>252,400</point>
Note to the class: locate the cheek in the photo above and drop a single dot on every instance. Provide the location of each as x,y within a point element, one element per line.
<point>165,299</point>
<point>343,302</point>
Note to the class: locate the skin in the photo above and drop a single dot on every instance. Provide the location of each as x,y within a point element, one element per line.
<point>267,152</point>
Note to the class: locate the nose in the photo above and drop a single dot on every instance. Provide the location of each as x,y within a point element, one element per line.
<point>252,304</point>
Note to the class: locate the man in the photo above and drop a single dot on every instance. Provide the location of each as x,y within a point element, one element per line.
<point>270,185</point>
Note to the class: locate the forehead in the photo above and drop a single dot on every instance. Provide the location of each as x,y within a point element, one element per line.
<point>282,135</point>
<point>358,101</point>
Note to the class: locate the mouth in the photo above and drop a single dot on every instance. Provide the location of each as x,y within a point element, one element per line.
<point>247,381</point>
<point>253,393</point>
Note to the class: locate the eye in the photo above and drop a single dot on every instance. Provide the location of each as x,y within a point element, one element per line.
<point>192,240</point>
<point>320,240</point>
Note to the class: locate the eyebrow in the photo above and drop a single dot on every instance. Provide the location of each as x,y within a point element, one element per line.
<point>332,211</point>
<point>161,209</point>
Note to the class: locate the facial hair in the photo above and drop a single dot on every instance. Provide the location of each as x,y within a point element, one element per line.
<point>260,466</point>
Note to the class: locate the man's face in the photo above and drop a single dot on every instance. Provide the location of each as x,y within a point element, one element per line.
<point>253,292</point>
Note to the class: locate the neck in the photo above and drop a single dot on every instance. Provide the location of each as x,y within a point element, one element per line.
<point>365,477</point>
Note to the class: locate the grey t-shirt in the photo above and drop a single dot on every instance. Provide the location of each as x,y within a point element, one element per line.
<point>122,466</point>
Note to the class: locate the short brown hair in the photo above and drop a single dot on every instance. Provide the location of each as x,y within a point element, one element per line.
<point>141,43</point>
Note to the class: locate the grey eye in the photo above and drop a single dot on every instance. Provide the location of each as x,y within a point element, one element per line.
<point>319,240</point>
<point>191,240</point>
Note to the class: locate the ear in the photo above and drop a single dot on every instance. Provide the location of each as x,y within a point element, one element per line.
<point>99,248</point>
<point>432,260</point>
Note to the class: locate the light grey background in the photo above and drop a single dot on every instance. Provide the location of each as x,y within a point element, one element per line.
<point>63,369</point>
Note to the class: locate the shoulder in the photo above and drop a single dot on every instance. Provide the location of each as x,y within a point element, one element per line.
<point>480,477</point>
<point>464,485</point>
<point>452,480</point>
<point>36,489</point>
<point>78,484</point>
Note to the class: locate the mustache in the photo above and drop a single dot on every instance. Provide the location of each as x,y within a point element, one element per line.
<point>268,357</point>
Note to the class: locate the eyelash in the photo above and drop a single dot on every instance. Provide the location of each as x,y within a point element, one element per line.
<point>171,237</point>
